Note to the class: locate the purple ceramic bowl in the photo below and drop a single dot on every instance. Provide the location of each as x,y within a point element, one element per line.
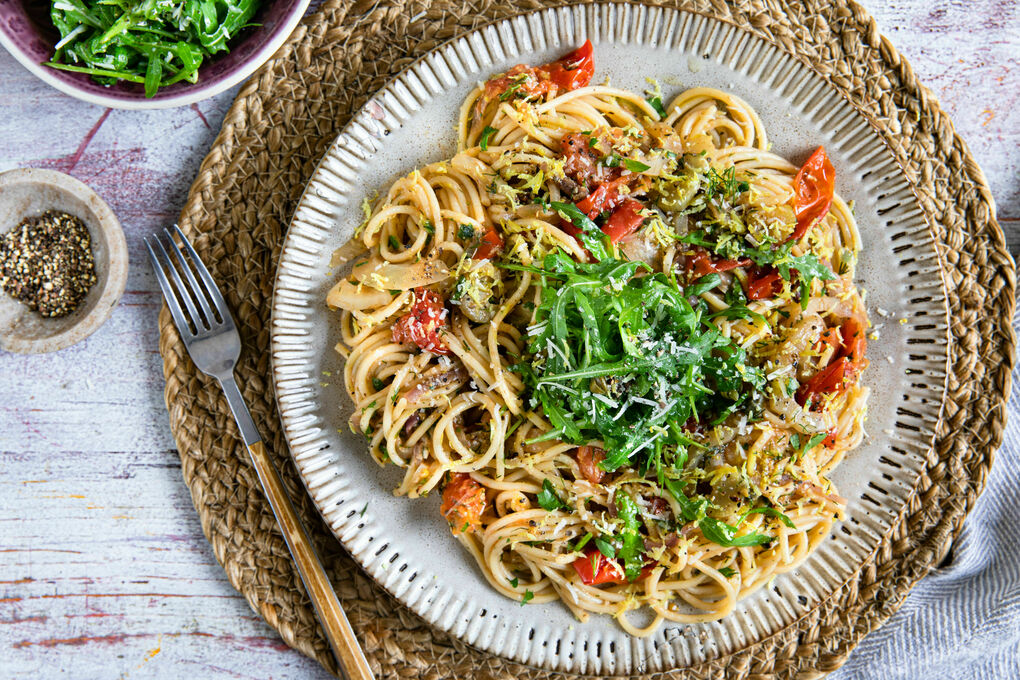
<point>28,34</point>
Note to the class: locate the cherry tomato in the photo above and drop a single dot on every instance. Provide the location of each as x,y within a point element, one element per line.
<point>491,242</point>
<point>588,459</point>
<point>832,378</point>
<point>580,161</point>
<point>624,220</point>
<point>605,197</point>
<point>702,263</point>
<point>572,71</point>
<point>421,325</point>
<point>596,569</point>
<point>847,362</point>
<point>569,73</point>
<point>813,188</point>
<point>830,439</point>
<point>522,79</point>
<point>763,284</point>
<point>855,343</point>
<point>463,503</point>
<point>832,337</point>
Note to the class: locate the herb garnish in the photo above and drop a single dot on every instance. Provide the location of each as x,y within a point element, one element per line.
<point>628,359</point>
<point>548,499</point>
<point>487,133</point>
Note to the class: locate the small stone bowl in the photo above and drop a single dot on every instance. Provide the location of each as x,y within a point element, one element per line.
<point>27,192</point>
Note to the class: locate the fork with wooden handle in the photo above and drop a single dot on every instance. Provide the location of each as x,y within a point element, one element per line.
<point>211,338</point>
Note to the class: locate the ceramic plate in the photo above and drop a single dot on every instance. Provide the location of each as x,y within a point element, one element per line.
<point>405,544</point>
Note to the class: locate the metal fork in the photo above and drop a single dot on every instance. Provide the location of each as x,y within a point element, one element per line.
<point>211,338</point>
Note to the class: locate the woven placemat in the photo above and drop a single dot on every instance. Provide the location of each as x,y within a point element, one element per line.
<point>241,202</point>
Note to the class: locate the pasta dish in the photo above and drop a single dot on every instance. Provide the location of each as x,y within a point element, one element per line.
<point>619,336</point>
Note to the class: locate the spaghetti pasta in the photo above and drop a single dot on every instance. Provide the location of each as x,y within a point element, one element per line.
<point>623,339</point>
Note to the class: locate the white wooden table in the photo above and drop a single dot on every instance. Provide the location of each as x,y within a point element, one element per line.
<point>104,572</point>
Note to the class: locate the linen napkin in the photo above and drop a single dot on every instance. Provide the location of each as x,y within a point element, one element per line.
<point>962,621</point>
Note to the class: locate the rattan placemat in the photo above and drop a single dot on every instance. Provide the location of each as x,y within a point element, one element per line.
<point>241,202</point>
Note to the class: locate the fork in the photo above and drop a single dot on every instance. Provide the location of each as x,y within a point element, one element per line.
<point>211,338</point>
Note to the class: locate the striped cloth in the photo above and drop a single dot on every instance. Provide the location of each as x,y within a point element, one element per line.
<point>962,622</point>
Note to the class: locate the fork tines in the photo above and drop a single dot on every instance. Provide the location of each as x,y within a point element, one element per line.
<point>195,303</point>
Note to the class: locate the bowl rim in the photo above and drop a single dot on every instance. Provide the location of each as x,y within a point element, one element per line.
<point>115,282</point>
<point>196,93</point>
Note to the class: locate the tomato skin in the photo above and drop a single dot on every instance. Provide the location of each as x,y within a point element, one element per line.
<point>463,503</point>
<point>813,188</point>
<point>605,197</point>
<point>846,363</point>
<point>588,459</point>
<point>595,569</point>
<point>763,284</point>
<point>572,71</point>
<point>855,342</point>
<point>580,161</point>
<point>832,337</point>
<point>490,244</point>
<point>569,73</point>
<point>830,439</point>
<point>702,263</point>
<point>624,220</point>
<point>422,324</point>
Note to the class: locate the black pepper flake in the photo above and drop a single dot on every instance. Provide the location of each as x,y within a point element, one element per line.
<point>46,263</point>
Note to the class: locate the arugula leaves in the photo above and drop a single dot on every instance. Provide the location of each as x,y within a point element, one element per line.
<point>153,43</point>
<point>628,359</point>
<point>591,236</point>
<point>715,530</point>
<point>548,499</point>
<point>633,546</point>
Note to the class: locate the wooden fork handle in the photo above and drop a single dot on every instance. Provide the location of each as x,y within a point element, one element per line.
<point>352,662</point>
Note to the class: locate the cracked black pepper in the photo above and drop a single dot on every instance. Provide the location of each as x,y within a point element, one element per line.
<point>46,263</point>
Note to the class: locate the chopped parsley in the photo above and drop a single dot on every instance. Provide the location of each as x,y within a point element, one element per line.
<point>528,597</point>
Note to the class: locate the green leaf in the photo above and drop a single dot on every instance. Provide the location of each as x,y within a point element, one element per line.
<point>726,535</point>
<point>771,512</point>
<point>581,542</point>
<point>514,582</point>
<point>739,312</point>
<point>703,285</point>
<point>377,384</point>
<point>153,74</point>
<point>487,133</point>
<point>656,103</point>
<point>547,497</point>
<point>605,547</point>
<point>631,551</point>
<point>635,166</point>
<point>591,236</point>
<point>728,572</point>
<point>466,231</point>
<point>528,597</point>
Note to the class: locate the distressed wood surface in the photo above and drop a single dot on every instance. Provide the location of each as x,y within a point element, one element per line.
<point>104,572</point>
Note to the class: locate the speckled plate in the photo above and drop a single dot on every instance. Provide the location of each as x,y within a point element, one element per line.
<point>404,544</point>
